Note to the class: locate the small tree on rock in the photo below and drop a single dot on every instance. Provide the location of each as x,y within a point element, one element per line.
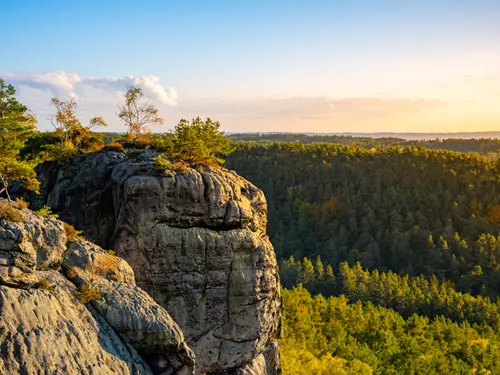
<point>16,126</point>
<point>199,141</point>
<point>74,138</point>
<point>138,114</point>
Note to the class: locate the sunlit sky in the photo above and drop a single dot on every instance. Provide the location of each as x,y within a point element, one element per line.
<point>282,65</point>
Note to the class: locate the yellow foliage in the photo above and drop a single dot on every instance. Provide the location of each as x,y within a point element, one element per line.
<point>44,284</point>
<point>45,211</point>
<point>494,213</point>
<point>87,294</point>
<point>482,342</point>
<point>180,167</point>
<point>71,273</point>
<point>114,146</point>
<point>425,356</point>
<point>21,203</point>
<point>71,232</point>
<point>300,361</point>
<point>7,212</point>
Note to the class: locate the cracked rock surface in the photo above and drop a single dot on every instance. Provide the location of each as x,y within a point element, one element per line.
<point>197,244</point>
<point>46,328</point>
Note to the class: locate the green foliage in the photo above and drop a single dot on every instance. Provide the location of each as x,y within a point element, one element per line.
<point>16,126</point>
<point>162,164</point>
<point>138,114</point>
<point>410,210</point>
<point>196,142</point>
<point>320,333</point>
<point>489,147</point>
<point>45,211</point>
<point>70,137</point>
<point>406,295</point>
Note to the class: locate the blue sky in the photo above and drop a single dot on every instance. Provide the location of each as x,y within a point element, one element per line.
<point>325,66</point>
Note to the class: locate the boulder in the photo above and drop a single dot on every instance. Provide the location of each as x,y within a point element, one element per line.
<point>76,309</point>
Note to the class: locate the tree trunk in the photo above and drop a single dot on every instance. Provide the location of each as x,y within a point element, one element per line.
<point>6,188</point>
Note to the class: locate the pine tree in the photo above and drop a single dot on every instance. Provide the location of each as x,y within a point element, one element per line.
<point>16,125</point>
<point>319,268</point>
<point>306,275</point>
<point>329,273</point>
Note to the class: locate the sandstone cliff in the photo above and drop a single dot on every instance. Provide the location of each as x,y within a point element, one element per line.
<point>196,241</point>
<point>45,326</point>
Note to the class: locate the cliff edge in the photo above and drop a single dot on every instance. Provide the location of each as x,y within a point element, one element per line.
<point>196,240</point>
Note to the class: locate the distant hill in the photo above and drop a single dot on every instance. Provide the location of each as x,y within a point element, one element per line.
<point>405,136</point>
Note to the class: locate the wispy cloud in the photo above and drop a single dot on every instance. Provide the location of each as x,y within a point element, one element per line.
<point>71,85</point>
<point>482,77</point>
<point>314,107</point>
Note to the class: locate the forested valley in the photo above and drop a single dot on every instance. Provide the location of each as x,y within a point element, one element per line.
<point>389,253</point>
<point>389,250</point>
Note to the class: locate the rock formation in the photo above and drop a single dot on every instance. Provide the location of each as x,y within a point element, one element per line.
<point>45,325</point>
<point>196,241</point>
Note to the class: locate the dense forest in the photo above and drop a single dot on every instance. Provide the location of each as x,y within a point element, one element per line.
<point>389,255</point>
<point>411,210</point>
<point>484,146</point>
<point>335,336</point>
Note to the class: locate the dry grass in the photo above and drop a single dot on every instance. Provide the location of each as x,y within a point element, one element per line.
<point>8,212</point>
<point>44,284</point>
<point>21,203</point>
<point>87,294</point>
<point>71,233</point>
<point>71,273</point>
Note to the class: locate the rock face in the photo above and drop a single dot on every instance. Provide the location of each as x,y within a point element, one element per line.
<point>196,242</point>
<point>46,328</point>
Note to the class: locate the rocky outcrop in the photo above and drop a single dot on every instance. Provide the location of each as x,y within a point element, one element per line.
<point>45,325</point>
<point>197,243</point>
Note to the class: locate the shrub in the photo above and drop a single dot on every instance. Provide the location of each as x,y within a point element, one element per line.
<point>130,141</point>
<point>87,294</point>
<point>162,164</point>
<point>71,273</point>
<point>71,233</point>
<point>7,212</point>
<point>114,146</point>
<point>21,203</point>
<point>45,211</point>
<point>44,284</point>
<point>180,167</point>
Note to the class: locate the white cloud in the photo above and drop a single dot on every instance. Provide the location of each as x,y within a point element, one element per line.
<point>71,85</point>
<point>58,83</point>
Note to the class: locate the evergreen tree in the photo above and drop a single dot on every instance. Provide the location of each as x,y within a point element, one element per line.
<point>16,125</point>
